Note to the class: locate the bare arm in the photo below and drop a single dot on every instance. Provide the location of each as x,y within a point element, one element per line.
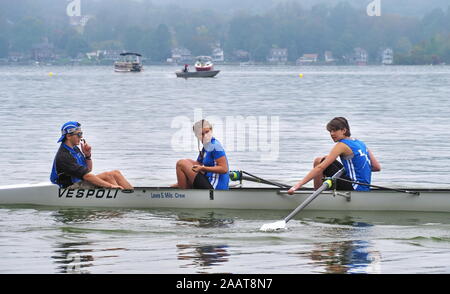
<point>374,162</point>
<point>337,150</point>
<point>89,164</point>
<point>87,151</point>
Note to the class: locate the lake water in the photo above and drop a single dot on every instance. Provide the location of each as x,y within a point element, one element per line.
<point>139,123</point>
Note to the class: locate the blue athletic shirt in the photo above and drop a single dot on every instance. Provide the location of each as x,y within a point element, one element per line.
<point>211,152</point>
<point>357,166</point>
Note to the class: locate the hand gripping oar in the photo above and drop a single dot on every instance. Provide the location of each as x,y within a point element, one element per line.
<point>282,224</point>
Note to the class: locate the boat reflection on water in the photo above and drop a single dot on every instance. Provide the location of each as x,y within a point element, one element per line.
<point>199,256</point>
<point>205,220</point>
<point>346,257</point>
<point>81,215</point>
<point>202,257</point>
<point>76,257</point>
<point>70,259</point>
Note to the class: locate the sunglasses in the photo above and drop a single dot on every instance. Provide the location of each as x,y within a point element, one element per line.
<point>80,134</point>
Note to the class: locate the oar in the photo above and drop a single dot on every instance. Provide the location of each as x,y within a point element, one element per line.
<point>261,180</point>
<point>379,187</point>
<point>239,176</point>
<point>282,224</point>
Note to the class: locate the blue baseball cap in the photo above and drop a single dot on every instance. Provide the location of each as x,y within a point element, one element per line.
<point>68,128</point>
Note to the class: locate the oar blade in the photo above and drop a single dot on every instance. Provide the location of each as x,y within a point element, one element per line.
<point>272,227</point>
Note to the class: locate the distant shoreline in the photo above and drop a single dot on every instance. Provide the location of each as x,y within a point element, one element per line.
<point>291,64</point>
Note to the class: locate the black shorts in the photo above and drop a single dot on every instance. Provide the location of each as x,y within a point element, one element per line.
<point>333,169</point>
<point>201,182</point>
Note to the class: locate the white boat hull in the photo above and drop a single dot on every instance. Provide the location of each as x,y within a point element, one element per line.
<point>237,198</point>
<point>128,67</point>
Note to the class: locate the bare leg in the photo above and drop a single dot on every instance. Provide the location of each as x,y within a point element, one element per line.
<point>108,177</point>
<point>180,173</point>
<point>185,175</point>
<point>121,180</point>
<point>115,177</point>
<point>182,180</point>
<point>194,162</point>
<point>318,179</point>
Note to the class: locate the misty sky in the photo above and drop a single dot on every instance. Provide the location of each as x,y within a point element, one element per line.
<point>402,7</point>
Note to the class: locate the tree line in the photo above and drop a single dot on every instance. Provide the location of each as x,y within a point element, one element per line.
<point>154,30</point>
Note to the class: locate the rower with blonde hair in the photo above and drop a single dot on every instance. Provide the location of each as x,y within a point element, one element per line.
<point>210,170</point>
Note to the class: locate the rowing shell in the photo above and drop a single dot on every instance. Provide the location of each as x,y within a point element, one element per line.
<point>437,200</point>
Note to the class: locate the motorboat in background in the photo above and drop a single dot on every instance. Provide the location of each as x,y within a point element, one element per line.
<point>130,62</point>
<point>197,74</point>
<point>204,63</point>
<point>204,68</point>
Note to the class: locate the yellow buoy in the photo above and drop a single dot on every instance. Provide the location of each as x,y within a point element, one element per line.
<point>50,74</point>
<point>300,75</point>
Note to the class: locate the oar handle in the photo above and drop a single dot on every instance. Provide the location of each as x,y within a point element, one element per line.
<point>327,184</point>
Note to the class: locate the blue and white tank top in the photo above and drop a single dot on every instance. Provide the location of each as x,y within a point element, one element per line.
<point>357,166</point>
<point>211,152</point>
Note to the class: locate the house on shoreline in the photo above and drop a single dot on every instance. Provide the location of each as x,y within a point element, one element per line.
<point>329,59</point>
<point>387,56</point>
<point>308,59</point>
<point>278,56</point>
<point>241,56</point>
<point>314,59</point>
<point>217,54</point>
<point>44,51</point>
<point>359,56</point>
<point>180,56</point>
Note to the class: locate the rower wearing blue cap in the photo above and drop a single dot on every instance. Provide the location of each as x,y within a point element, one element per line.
<point>72,167</point>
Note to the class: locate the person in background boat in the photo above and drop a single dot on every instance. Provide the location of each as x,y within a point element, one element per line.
<point>186,68</point>
<point>210,170</point>
<point>72,167</point>
<point>358,160</point>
